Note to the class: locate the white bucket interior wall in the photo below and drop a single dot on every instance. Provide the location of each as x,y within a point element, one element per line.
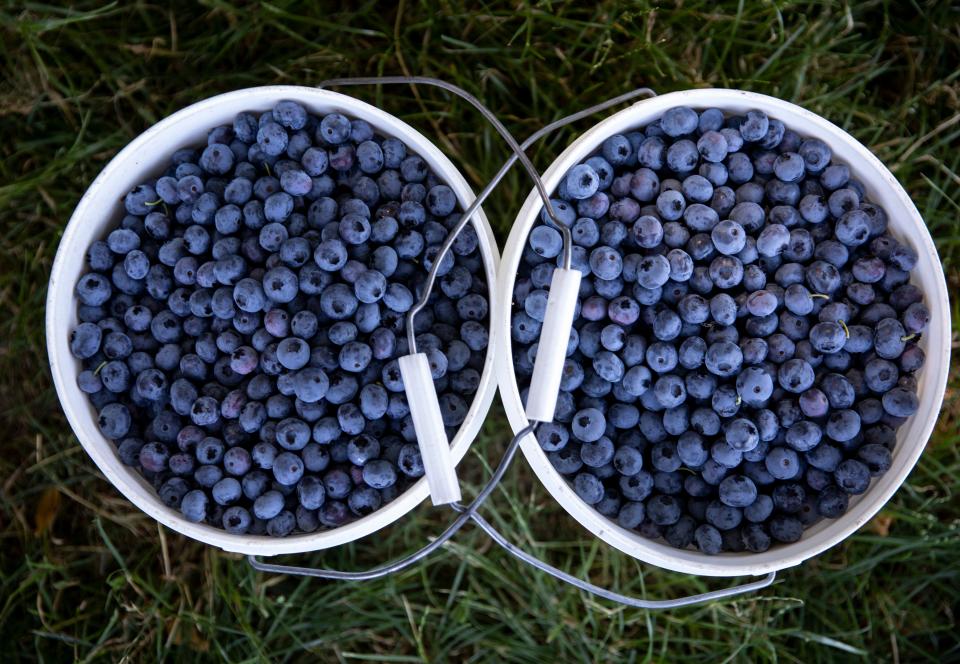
<point>101,208</point>
<point>905,223</point>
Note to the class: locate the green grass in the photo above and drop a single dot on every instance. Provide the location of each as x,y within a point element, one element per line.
<point>102,581</point>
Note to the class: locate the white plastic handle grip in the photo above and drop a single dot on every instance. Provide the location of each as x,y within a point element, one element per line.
<point>428,423</point>
<point>552,348</point>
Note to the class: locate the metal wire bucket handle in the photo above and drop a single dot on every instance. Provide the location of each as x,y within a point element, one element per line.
<point>470,513</point>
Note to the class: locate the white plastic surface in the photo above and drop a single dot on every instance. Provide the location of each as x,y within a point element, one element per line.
<point>438,464</point>
<point>552,346</point>
<point>101,207</point>
<point>905,222</point>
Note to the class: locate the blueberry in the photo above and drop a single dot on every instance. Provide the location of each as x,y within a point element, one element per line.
<point>364,500</point>
<point>681,265</point>
<point>588,487</point>
<point>236,520</point>
<point>333,514</point>
<point>662,357</point>
<point>194,506</point>
<point>877,458</point>
<point>140,199</point>
<point>754,127</point>
<point>217,158</point>
<point>93,289</point>
<point>226,491</point>
<point>172,491</point>
<point>671,205</point>
<point>725,455</point>
<point>726,271</point>
<point>708,539</point>
<point>272,139</point>
<point>759,510</point>
<point>723,358</point>
<point>762,303</point>
<point>803,435</point>
<point>606,263</point>
<point>637,380</point>
<point>288,468</point>
<point>644,187</point>
<point>582,181</point>
<point>789,167</point>
<point>912,358</point>
<point>122,241</point>
<point>663,510</point>
<point>693,308</point>
<point>915,318</point>
<point>682,156</point>
<point>588,425</point>
<point>89,382</point>
<point>853,228</point>
<point>889,339</point>
<point>681,534</point>
<point>900,402</point>
<point>728,237</point>
<point>828,337</point>
<point>379,474</point>
<point>782,463</point>
<point>754,538</point>
<point>713,146</point>
<point>652,271</point>
<point>670,391</point>
<point>679,121</point>
<point>737,491</point>
<point>795,375</point>
<point>816,155</point>
<point>631,514</point>
<point>667,325</point>
<point>852,476</point>
<point>723,517</point>
<point>85,340</point>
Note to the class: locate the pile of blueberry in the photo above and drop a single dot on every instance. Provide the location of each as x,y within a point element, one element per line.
<point>239,330</point>
<point>745,344</point>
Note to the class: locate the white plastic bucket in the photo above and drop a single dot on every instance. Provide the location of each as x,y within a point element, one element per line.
<point>882,188</point>
<point>100,209</point>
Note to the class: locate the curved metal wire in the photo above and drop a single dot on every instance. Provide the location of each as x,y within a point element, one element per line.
<point>635,602</point>
<point>470,512</point>
<point>466,513</point>
<point>518,153</point>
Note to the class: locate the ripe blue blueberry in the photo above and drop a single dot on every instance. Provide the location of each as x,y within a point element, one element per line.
<point>713,146</point>
<point>754,127</point>
<point>682,156</point>
<point>679,121</point>
<point>723,358</point>
<point>663,510</point>
<point>379,474</point>
<point>588,425</point>
<point>900,402</point>
<point>582,181</point>
<point>653,271</point>
<point>737,491</point>
<point>194,505</point>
